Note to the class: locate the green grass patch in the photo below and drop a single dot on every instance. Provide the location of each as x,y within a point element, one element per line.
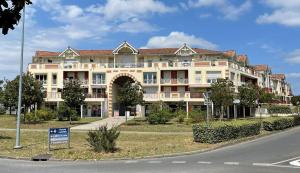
<point>9,121</point>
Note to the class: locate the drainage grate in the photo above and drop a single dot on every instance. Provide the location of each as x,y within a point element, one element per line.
<point>41,157</point>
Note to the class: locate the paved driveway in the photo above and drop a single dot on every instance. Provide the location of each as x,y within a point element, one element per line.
<point>110,122</point>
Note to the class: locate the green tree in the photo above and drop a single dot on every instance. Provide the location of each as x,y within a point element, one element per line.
<point>222,95</point>
<point>131,94</point>
<point>296,100</point>
<point>265,97</point>
<point>10,94</point>
<point>32,92</point>
<point>248,96</point>
<point>73,94</point>
<point>10,15</point>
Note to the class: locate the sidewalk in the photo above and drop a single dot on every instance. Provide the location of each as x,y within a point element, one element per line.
<point>110,122</point>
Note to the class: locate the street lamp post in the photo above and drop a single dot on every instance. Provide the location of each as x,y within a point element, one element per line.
<point>18,145</point>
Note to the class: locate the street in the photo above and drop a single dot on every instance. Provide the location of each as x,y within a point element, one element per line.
<point>271,154</point>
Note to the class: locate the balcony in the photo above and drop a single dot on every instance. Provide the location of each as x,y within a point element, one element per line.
<point>150,81</point>
<point>96,95</point>
<point>82,82</point>
<point>53,95</point>
<point>151,96</point>
<point>174,81</point>
<point>98,82</point>
<point>177,95</point>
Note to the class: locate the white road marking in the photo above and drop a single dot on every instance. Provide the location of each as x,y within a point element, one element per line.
<point>203,162</point>
<point>231,163</point>
<point>295,163</point>
<point>154,161</point>
<point>261,164</point>
<point>131,161</point>
<point>285,160</point>
<point>178,162</point>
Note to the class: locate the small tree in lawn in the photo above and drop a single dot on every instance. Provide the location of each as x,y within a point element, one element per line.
<point>73,95</point>
<point>131,94</point>
<point>32,92</point>
<point>222,94</point>
<point>296,101</point>
<point>248,96</point>
<point>265,97</point>
<point>10,95</point>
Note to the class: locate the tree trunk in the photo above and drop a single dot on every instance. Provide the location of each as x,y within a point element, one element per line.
<point>222,113</point>
<point>10,110</point>
<point>244,111</point>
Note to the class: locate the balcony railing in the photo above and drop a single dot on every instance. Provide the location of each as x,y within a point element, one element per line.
<point>96,95</point>
<point>98,82</point>
<point>174,81</point>
<point>151,96</point>
<point>150,81</point>
<point>82,82</point>
<point>53,95</point>
<point>175,95</point>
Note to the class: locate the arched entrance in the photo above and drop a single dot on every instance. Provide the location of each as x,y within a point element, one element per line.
<point>116,109</point>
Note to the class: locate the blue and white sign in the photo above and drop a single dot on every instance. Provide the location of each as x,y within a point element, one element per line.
<point>59,135</point>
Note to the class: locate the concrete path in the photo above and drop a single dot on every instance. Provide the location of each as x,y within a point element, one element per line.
<point>110,122</point>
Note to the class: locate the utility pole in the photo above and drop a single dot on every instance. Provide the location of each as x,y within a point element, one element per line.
<point>18,145</point>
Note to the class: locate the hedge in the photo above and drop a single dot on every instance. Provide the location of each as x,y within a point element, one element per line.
<point>223,131</point>
<point>280,123</point>
<point>279,110</point>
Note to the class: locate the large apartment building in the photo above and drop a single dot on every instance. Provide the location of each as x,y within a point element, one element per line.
<point>171,75</point>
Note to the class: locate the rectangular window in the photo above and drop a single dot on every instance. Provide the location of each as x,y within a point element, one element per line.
<point>198,76</point>
<point>150,78</point>
<point>213,76</point>
<point>149,63</point>
<point>42,78</point>
<point>98,78</point>
<point>54,79</point>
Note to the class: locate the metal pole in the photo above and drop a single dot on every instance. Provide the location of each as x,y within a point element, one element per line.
<point>18,145</point>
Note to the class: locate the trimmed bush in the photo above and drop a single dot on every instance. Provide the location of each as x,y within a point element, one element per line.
<point>161,117</point>
<point>216,132</point>
<point>103,139</point>
<point>279,109</point>
<point>279,123</point>
<point>32,118</point>
<point>46,114</point>
<point>197,116</point>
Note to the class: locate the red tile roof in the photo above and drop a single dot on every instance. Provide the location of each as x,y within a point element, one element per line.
<point>278,76</point>
<point>261,67</point>
<point>242,58</point>
<point>231,53</point>
<point>158,51</point>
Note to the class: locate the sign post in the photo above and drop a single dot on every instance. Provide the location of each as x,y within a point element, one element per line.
<point>58,136</point>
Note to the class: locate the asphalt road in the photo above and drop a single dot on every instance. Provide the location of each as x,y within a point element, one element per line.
<point>270,154</point>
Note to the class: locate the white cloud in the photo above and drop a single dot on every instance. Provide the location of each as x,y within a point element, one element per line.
<point>177,39</point>
<point>293,57</point>
<point>285,13</point>
<point>293,75</point>
<point>228,9</point>
<point>72,25</point>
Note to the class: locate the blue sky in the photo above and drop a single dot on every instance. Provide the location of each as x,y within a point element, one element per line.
<point>266,30</point>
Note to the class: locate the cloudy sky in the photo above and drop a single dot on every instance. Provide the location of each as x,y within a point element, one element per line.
<point>268,31</point>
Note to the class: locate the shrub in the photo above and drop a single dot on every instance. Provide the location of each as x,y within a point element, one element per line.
<point>65,112</point>
<point>180,114</point>
<point>160,117</point>
<point>216,132</point>
<point>279,109</point>
<point>32,118</point>
<point>197,116</point>
<point>103,139</point>
<point>46,114</point>
<point>2,110</point>
<point>279,123</point>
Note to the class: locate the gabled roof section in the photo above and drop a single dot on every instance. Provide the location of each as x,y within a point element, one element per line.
<point>242,59</point>
<point>69,53</point>
<point>261,67</point>
<point>185,50</point>
<point>230,53</point>
<point>278,76</point>
<point>125,44</point>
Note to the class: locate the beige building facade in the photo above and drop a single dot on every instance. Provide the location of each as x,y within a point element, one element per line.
<point>172,75</point>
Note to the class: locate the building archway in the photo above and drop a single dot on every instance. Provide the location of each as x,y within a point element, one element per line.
<point>115,109</point>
